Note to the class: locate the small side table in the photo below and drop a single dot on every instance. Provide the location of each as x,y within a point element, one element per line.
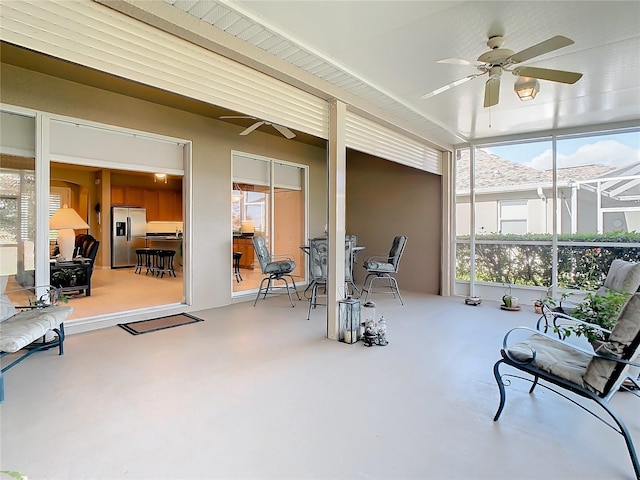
<point>84,264</point>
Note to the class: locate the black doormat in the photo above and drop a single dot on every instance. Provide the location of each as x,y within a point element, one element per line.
<point>155,324</point>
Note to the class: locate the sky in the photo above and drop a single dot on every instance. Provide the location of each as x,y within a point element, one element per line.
<point>616,150</point>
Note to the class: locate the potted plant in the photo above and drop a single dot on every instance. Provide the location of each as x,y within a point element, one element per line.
<point>509,302</point>
<point>538,303</point>
<point>68,277</point>
<point>598,309</point>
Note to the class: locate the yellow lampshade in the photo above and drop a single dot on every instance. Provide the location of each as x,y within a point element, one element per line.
<point>66,217</point>
<point>248,226</point>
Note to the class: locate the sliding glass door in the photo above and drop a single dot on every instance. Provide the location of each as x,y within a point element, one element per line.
<point>268,198</point>
<point>17,201</point>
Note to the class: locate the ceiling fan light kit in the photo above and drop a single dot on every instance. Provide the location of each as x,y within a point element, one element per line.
<point>498,60</point>
<point>526,88</point>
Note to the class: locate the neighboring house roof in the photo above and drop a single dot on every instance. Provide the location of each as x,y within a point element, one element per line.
<point>496,174</point>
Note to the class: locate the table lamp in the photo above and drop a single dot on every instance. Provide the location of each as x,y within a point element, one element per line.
<point>65,220</point>
<point>248,227</point>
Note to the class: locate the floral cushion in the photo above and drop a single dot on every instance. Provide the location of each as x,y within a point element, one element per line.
<point>623,342</point>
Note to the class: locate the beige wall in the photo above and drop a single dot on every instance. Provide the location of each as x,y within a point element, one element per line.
<point>212,144</point>
<point>385,199</point>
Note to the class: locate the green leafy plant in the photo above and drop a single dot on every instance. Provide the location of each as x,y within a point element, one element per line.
<point>601,310</point>
<point>68,277</point>
<point>53,296</point>
<point>14,474</point>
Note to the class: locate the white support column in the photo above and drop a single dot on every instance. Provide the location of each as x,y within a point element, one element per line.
<point>448,265</point>
<point>43,177</point>
<point>472,226</point>
<point>337,175</point>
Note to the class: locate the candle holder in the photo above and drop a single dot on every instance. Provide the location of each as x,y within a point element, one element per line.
<point>349,320</point>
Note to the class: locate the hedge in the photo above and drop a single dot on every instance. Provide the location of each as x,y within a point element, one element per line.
<point>579,267</point>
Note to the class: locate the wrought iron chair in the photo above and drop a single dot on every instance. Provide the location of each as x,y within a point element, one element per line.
<point>317,250</point>
<point>279,268</point>
<point>350,256</point>
<point>317,271</point>
<point>381,267</point>
<point>594,375</point>
<point>622,276</point>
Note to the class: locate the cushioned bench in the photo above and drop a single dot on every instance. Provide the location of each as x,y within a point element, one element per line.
<point>19,330</point>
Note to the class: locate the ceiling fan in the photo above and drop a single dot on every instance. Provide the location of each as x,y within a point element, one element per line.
<point>498,60</point>
<point>283,130</point>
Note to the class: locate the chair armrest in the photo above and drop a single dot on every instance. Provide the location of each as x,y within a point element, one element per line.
<point>377,258</point>
<point>570,319</point>
<point>282,257</point>
<point>550,317</point>
<point>592,353</point>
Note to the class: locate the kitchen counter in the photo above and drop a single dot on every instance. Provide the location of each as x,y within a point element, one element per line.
<point>164,238</point>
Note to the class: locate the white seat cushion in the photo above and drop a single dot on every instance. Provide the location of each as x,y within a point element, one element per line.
<point>28,326</point>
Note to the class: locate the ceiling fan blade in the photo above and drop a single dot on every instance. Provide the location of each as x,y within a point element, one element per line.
<point>492,91</point>
<point>284,131</point>
<point>450,86</point>
<point>251,128</point>
<point>548,74</point>
<point>547,46</point>
<point>459,61</point>
<point>237,116</point>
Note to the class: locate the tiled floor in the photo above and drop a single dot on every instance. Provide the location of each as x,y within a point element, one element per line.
<point>260,393</point>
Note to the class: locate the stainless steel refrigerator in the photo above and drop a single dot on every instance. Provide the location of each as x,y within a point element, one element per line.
<point>128,226</point>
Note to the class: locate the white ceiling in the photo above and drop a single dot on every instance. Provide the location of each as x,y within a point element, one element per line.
<point>386,52</point>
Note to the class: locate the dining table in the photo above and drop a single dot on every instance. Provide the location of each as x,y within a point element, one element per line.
<point>349,280</point>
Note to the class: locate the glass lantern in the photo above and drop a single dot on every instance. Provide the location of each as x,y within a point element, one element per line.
<point>349,320</point>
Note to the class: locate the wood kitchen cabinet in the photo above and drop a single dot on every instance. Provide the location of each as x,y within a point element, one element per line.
<point>161,205</point>
<point>117,195</point>
<point>151,204</point>
<point>134,196</point>
<point>127,196</point>
<point>170,205</point>
<point>244,246</point>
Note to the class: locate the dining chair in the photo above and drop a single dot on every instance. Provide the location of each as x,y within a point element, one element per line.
<point>276,268</point>
<point>381,267</point>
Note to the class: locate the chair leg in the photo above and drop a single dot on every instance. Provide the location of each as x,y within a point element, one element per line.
<point>533,384</point>
<point>393,285</point>
<point>367,289</point>
<point>395,288</point>
<point>286,285</point>
<point>496,373</point>
<point>295,289</point>
<point>260,289</point>
<point>269,282</point>
<point>624,432</point>
<point>313,299</point>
